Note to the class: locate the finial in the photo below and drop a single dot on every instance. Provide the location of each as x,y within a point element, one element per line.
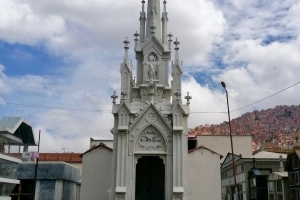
<point>114,97</point>
<point>176,44</point>
<point>136,35</point>
<point>126,42</point>
<point>188,98</point>
<point>153,27</point>
<point>170,37</point>
<point>123,94</point>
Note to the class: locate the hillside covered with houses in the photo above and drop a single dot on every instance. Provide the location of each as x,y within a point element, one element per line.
<point>274,128</point>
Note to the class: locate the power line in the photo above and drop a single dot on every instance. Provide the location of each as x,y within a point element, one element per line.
<point>54,108</point>
<point>98,110</point>
<point>264,98</point>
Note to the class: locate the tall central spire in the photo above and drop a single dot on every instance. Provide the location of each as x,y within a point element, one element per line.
<point>153,18</point>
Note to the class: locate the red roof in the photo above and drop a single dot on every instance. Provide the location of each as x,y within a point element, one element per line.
<point>65,157</point>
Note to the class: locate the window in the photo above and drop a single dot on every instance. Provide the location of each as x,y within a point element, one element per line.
<point>253,182</point>
<point>192,144</point>
<point>293,195</point>
<point>271,186</point>
<point>291,178</point>
<point>279,197</point>
<point>279,186</point>
<point>253,193</point>
<point>272,197</point>
<point>295,162</point>
<point>296,178</point>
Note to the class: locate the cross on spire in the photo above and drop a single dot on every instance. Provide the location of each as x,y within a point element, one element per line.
<point>176,44</point>
<point>136,35</point>
<point>126,42</point>
<point>114,97</point>
<point>188,98</point>
<point>123,94</point>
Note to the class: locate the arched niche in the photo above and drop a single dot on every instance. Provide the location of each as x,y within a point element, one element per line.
<point>150,141</point>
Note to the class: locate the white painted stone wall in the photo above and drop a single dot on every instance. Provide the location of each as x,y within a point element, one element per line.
<point>204,175</point>
<point>221,144</point>
<point>96,174</point>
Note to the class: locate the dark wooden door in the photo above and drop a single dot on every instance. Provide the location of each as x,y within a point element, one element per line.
<point>150,179</point>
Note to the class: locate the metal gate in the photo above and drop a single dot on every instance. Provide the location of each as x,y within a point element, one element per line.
<point>150,179</point>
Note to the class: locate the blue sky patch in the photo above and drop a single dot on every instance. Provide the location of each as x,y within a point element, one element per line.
<point>21,59</point>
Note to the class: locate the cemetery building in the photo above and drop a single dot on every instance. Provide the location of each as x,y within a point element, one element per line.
<point>150,131</point>
<point>251,175</point>
<point>278,185</point>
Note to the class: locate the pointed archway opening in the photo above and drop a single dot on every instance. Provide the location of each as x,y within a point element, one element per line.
<point>150,178</point>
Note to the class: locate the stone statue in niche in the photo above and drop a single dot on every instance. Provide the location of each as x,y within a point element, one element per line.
<point>151,72</point>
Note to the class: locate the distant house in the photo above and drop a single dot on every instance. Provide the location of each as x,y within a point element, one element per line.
<point>251,175</point>
<point>15,132</point>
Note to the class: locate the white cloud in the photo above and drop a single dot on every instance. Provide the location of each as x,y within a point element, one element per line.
<point>234,41</point>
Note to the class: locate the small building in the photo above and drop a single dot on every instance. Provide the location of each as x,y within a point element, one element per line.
<point>55,181</point>
<point>96,173</point>
<point>250,176</point>
<point>15,133</point>
<point>204,173</point>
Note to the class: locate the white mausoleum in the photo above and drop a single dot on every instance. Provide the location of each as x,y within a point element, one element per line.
<point>150,122</point>
<point>150,147</point>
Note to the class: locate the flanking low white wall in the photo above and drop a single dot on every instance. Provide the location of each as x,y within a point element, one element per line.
<point>204,175</point>
<point>96,174</point>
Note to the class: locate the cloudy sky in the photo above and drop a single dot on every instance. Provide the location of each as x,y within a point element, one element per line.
<point>66,54</point>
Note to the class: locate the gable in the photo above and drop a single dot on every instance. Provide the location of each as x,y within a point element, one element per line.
<point>150,115</point>
<point>153,43</point>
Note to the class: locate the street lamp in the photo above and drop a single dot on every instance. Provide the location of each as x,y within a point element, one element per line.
<point>233,164</point>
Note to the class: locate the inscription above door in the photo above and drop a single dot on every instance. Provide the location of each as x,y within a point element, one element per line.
<point>150,141</point>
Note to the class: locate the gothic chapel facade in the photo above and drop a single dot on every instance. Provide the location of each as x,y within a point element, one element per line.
<point>150,128</point>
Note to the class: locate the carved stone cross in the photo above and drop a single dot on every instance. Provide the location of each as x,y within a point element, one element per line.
<point>188,98</point>
<point>114,97</point>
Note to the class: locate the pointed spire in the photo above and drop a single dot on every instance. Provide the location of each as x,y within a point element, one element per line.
<point>126,47</point>
<point>142,23</point>
<point>164,20</point>
<point>165,6</point>
<point>153,16</point>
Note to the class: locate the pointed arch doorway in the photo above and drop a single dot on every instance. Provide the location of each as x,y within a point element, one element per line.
<point>150,178</point>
